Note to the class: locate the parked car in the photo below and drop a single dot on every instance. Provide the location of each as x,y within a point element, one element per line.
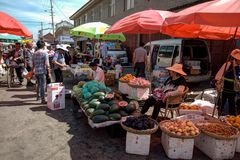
<point>193,54</point>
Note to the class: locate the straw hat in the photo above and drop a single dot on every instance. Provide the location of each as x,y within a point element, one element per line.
<point>62,47</point>
<point>177,68</point>
<point>236,54</point>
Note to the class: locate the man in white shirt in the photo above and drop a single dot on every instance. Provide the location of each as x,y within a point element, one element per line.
<point>140,60</point>
<point>98,73</point>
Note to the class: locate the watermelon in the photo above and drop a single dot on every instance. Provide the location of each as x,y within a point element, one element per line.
<point>122,103</point>
<point>114,108</point>
<point>114,116</point>
<point>100,118</point>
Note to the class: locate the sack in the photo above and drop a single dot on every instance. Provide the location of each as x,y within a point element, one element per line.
<point>219,85</point>
<point>236,85</point>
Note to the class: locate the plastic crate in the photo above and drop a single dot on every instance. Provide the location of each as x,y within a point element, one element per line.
<point>214,148</point>
<point>177,148</point>
<point>138,144</point>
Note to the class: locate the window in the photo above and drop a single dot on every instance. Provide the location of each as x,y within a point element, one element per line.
<point>85,18</point>
<point>130,4</point>
<point>100,12</point>
<point>91,17</point>
<point>165,56</point>
<point>112,8</point>
<point>199,52</point>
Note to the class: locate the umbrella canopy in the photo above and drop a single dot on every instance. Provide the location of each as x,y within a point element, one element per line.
<point>10,25</point>
<point>7,36</point>
<point>145,22</point>
<point>218,19</point>
<point>96,30</point>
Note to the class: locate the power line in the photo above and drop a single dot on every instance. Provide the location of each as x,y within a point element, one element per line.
<point>61,11</point>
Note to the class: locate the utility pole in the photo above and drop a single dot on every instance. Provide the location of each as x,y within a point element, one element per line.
<point>52,20</point>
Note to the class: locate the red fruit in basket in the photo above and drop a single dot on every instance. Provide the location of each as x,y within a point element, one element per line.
<point>109,96</point>
<point>122,103</point>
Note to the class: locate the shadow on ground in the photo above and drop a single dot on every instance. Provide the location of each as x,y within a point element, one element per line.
<point>17,103</point>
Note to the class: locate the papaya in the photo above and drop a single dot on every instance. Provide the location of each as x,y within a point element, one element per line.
<point>98,112</point>
<point>94,104</point>
<point>114,108</point>
<point>123,113</point>
<point>115,116</point>
<point>90,111</point>
<point>100,118</point>
<point>103,106</point>
<point>130,108</point>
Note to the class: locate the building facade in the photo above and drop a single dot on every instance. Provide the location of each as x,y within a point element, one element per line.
<point>110,11</point>
<point>62,33</point>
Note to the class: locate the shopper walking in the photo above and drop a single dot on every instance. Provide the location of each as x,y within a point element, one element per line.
<point>40,68</point>
<point>140,60</point>
<point>28,52</point>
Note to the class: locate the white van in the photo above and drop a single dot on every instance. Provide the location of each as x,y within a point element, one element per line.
<point>193,54</point>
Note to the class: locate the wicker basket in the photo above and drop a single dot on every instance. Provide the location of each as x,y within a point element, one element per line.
<point>142,132</point>
<point>172,134</point>
<point>220,137</point>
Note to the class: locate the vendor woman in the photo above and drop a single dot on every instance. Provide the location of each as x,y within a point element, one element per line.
<point>176,82</point>
<point>98,73</point>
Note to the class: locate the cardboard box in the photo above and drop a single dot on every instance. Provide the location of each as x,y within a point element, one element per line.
<point>138,144</point>
<point>56,96</point>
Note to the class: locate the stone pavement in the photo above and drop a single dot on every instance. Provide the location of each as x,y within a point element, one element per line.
<point>29,131</point>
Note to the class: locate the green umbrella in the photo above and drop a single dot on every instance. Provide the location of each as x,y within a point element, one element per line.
<point>6,36</point>
<point>95,30</point>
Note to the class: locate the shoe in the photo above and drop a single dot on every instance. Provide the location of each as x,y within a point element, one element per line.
<point>43,102</point>
<point>30,83</point>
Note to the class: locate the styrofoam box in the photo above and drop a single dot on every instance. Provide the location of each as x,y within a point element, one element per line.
<point>123,87</point>
<point>55,96</point>
<point>214,148</point>
<point>238,145</point>
<point>138,144</point>
<point>140,93</point>
<point>186,111</point>
<point>177,148</point>
<point>195,118</point>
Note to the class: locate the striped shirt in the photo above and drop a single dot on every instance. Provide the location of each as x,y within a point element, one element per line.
<point>40,61</point>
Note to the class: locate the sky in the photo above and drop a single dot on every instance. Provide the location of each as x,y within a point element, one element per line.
<point>32,12</point>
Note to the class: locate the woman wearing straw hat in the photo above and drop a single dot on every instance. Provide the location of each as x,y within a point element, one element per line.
<point>174,86</point>
<point>225,82</point>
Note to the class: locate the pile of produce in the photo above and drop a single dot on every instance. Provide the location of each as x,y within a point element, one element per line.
<point>101,108</point>
<point>139,82</point>
<point>189,107</point>
<point>182,128</point>
<point>92,87</point>
<point>234,121</point>
<point>127,78</point>
<point>139,123</point>
<point>218,129</point>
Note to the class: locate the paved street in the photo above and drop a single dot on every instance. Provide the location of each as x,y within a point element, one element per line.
<point>29,131</point>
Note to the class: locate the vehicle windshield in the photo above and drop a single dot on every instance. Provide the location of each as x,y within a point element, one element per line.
<point>165,56</point>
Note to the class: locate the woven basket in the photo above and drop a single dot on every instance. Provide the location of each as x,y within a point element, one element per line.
<point>221,137</point>
<point>174,135</point>
<point>226,121</point>
<point>137,86</point>
<point>141,132</point>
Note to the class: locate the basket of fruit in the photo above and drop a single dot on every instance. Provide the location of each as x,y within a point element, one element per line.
<point>140,125</point>
<point>218,130</point>
<point>186,108</point>
<point>233,121</point>
<point>126,78</point>
<point>179,128</point>
<point>139,83</point>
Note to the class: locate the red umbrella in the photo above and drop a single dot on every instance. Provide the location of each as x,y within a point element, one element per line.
<point>145,22</point>
<point>10,25</point>
<point>218,19</point>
